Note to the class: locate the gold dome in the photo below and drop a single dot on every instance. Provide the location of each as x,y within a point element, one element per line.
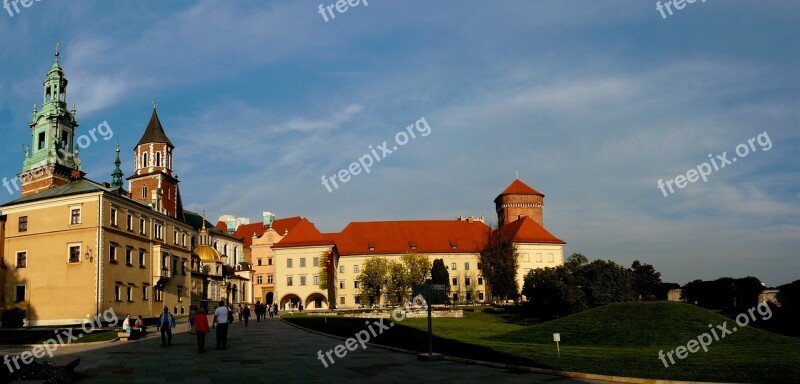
<point>207,254</point>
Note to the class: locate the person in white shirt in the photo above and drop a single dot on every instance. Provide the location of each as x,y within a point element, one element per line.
<point>220,323</point>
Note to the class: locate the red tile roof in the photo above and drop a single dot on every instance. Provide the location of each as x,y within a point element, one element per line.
<point>525,230</point>
<point>222,226</point>
<point>280,225</point>
<point>303,234</point>
<point>429,236</point>
<point>520,188</point>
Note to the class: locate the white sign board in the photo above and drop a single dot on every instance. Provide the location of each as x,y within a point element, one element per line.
<point>556,337</point>
<point>438,287</point>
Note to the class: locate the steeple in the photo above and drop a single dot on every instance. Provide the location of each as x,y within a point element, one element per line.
<point>116,181</point>
<point>53,156</point>
<point>153,181</point>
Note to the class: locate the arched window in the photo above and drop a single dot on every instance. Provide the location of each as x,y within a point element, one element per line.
<point>144,192</point>
<point>144,160</point>
<point>158,159</point>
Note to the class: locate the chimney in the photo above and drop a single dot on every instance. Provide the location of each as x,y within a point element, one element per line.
<point>106,184</point>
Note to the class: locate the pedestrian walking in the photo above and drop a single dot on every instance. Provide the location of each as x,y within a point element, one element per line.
<point>165,324</point>
<point>221,316</point>
<point>246,314</point>
<point>239,311</point>
<point>192,312</point>
<point>201,328</point>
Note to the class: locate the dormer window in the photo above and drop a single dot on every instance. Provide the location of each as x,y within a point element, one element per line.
<point>371,246</point>
<point>413,245</point>
<point>453,244</point>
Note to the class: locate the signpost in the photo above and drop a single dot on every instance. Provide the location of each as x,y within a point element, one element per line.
<point>557,338</point>
<point>429,291</point>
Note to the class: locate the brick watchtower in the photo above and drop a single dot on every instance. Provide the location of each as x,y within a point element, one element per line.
<point>519,200</point>
<point>153,181</point>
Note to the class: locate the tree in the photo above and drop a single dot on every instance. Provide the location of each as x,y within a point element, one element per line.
<point>397,282</point>
<point>439,275</point>
<point>499,264</point>
<point>575,261</point>
<point>372,279</point>
<point>326,270</point>
<point>604,282</point>
<point>644,279</point>
<point>418,267</point>
<point>550,294</point>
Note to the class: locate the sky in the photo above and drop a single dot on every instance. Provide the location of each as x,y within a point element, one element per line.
<point>591,103</point>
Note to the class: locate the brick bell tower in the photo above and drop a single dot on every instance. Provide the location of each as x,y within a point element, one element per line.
<point>517,201</point>
<point>52,158</point>
<point>153,181</point>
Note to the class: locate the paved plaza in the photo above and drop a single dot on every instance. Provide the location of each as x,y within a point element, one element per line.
<point>270,351</point>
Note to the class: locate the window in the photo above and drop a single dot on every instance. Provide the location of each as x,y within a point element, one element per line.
<point>526,257</point>
<point>341,284</point>
<point>19,293</point>
<point>22,259</point>
<point>480,296</point>
<point>549,257</point>
<point>269,261</point>
<point>174,265</point>
<point>455,281</point>
<point>141,257</point>
<point>315,262</point>
<point>129,222</point>
<point>288,263</point>
<point>175,237</point>
<point>269,279</point>
<point>183,267</point>
<point>355,268</point>
<point>259,279</point>
<point>158,294</point>
<point>302,262</point>
<point>259,262</point>
<point>142,226</point>
<point>453,266</point>
<point>183,240</point>
<point>180,293</point>
<point>159,231</point>
<point>466,281</point>
<point>112,253</point>
<point>129,256</point>
<point>144,190</point>
<point>355,284</point>
<point>341,269</point>
<point>41,136</point>
<point>158,159</point>
<point>341,300</point>
<point>144,292</point>
<point>118,292</point>
<point>113,217</point>
<point>23,223</point>
<point>130,293</point>
<point>75,216</point>
<point>469,296</point>
<point>302,280</point>
<point>466,266</point>
<point>74,254</point>
<point>480,281</point>
<point>289,281</point>
<point>316,280</point>
<point>455,297</point>
<point>144,160</point>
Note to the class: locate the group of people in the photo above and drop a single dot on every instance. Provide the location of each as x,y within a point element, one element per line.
<point>137,330</point>
<point>262,310</point>
<point>199,322</point>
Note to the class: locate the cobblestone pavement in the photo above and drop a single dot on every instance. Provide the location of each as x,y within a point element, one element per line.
<point>270,351</point>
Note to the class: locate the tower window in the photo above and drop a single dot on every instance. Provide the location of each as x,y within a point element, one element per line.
<point>158,159</point>
<point>41,140</point>
<point>144,192</point>
<point>144,160</point>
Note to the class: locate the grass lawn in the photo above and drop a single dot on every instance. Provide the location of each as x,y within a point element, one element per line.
<point>618,339</point>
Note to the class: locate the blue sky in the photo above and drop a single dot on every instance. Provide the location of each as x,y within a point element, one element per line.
<point>593,103</point>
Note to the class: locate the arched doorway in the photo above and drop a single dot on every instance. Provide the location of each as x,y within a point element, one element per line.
<point>316,301</point>
<point>290,301</point>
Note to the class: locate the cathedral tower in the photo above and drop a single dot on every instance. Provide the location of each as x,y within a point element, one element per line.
<point>517,201</point>
<point>52,158</point>
<point>153,181</point>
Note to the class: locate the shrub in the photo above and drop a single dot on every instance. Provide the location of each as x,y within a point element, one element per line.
<point>13,318</point>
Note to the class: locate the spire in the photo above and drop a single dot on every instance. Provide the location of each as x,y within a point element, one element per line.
<point>58,48</point>
<point>117,174</point>
<point>155,132</point>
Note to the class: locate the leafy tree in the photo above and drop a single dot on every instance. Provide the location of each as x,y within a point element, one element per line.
<point>326,273</point>
<point>789,297</point>
<point>604,282</point>
<point>645,279</point>
<point>498,264</point>
<point>724,293</point>
<point>550,294</point>
<point>418,267</point>
<point>439,275</point>
<point>372,279</point>
<point>575,261</point>
<point>397,282</point>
